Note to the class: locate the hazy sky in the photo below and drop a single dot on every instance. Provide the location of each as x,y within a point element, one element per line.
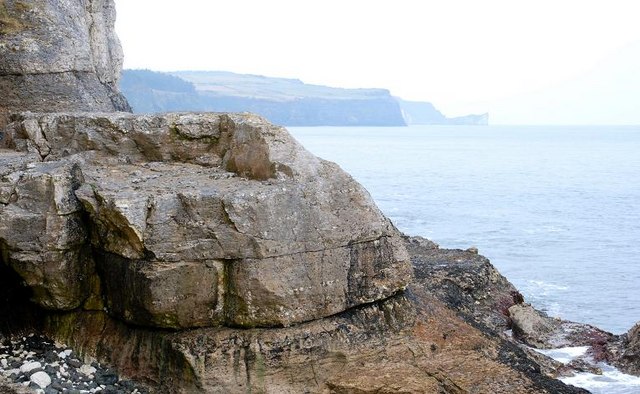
<point>525,62</point>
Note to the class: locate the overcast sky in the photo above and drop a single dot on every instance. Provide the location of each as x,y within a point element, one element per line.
<point>524,62</point>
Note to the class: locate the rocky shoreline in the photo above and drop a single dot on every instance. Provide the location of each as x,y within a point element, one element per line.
<point>477,310</point>
<point>37,363</point>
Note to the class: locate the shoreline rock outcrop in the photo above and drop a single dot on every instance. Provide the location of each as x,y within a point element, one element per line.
<point>59,56</point>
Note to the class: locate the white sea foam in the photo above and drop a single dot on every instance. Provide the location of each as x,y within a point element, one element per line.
<point>612,381</point>
<point>545,286</point>
<point>565,354</point>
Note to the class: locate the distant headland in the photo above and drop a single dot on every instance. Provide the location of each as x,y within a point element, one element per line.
<point>284,101</point>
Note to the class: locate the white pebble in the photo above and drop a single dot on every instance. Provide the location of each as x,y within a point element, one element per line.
<point>41,379</point>
<point>68,352</point>
<point>29,366</point>
<point>4,363</point>
<point>62,355</point>
<point>11,371</point>
<point>87,369</point>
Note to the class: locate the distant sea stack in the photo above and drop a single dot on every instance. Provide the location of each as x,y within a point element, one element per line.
<point>59,56</point>
<point>288,102</point>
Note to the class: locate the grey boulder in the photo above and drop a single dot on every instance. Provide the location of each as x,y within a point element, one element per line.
<point>191,220</point>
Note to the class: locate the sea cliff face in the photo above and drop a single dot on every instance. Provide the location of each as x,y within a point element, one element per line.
<point>288,102</point>
<point>423,113</point>
<point>59,56</point>
<point>283,101</point>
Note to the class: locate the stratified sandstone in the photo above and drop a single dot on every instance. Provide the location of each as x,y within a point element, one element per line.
<point>59,56</point>
<point>189,220</point>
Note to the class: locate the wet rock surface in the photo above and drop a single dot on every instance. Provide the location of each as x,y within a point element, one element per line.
<point>469,284</point>
<point>622,351</point>
<point>465,281</point>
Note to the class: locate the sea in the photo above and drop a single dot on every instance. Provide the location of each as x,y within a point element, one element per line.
<point>555,208</point>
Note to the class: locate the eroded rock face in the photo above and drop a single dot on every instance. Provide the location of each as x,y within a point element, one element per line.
<point>189,220</point>
<point>59,56</point>
<point>42,230</point>
<point>409,343</point>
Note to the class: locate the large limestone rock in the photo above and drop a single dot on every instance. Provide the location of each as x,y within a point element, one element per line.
<point>189,220</point>
<point>59,56</point>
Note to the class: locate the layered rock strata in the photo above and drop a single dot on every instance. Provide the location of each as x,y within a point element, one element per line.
<point>188,220</point>
<point>413,342</point>
<point>59,56</point>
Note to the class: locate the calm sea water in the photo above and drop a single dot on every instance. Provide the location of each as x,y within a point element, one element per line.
<point>556,209</point>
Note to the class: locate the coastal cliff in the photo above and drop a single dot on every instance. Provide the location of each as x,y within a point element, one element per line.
<point>283,101</point>
<point>423,113</point>
<point>210,252</point>
<point>288,102</point>
<point>59,57</point>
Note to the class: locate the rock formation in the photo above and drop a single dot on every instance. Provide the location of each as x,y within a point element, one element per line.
<point>59,56</point>
<point>189,220</point>
<point>224,222</point>
<point>209,252</point>
<point>413,342</point>
<point>626,352</point>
